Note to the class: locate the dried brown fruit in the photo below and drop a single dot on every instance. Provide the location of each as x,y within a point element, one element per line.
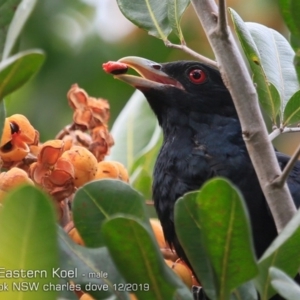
<point>52,172</point>
<point>102,141</point>
<point>89,112</point>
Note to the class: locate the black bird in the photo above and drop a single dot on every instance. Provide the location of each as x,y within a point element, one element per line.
<point>202,139</point>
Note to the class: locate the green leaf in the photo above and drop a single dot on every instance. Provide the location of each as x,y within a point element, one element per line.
<point>271,60</point>
<point>148,155</point>
<point>97,201</point>
<point>132,130</point>
<point>151,15</point>
<point>135,252</point>
<point>279,255</point>
<point>176,9</point>
<point>268,95</point>
<point>246,291</point>
<point>284,285</point>
<point>142,169</point>
<point>292,110</point>
<point>187,228</point>
<point>277,59</point>
<point>7,10</point>
<point>290,12</point>
<point>222,254</point>
<point>20,17</point>
<point>95,270</point>
<point>28,241</point>
<point>141,180</point>
<point>18,69</point>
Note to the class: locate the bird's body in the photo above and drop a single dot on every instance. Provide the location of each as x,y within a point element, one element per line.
<point>202,140</point>
<point>195,153</point>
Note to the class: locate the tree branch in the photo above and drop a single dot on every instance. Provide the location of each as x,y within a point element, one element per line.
<point>193,53</point>
<point>288,168</point>
<point>222,22</point>
<point>277,131</point>
<point>237,78</point>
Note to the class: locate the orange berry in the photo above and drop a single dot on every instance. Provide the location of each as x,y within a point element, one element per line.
<point>123,173</point>
<point>84,163</point>
<point>111,169</point>
<point>182,270</point>
<point>75,236</point>
<point>158,232</point>
<point>106,169</point>
<point>86,296</point>
<point>12,178</point>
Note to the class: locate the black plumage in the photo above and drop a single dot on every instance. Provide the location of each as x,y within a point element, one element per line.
<point>202,139</point>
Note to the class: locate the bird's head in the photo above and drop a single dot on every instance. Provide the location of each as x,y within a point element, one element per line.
<point>180,87</point>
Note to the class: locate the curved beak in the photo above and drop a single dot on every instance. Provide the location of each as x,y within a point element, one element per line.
<point>152,76</point>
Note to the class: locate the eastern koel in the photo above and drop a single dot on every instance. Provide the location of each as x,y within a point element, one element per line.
<point>202,139</point>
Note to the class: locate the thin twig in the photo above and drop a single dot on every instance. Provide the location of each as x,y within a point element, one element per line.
<point>274,134</point>
<point>277,131</point>
<point>222,20</point>
<point>279,181</point>
<point>193,53</point>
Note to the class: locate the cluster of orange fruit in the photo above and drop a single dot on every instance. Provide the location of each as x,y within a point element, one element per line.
<point>73,158</point>
<point>61,165</point>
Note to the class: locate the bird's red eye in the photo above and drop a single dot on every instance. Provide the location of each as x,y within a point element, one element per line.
<point>197,76</point>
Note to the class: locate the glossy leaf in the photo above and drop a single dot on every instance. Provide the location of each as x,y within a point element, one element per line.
<point>95,270</point>
<point>290,12</point>
<point>268,95</point>
<point>141,180</point>
<point>277,59</point>
<point>132,130</point>
<point>284,285</point>
<point>21,15</point>
<point>187,228</point>
<point>222,254</point>
<point>271,60</point>
<point>148,155</point>
<point>279,255</point>
<point>175,10</point>
<point>246,291</point>
<point>292,110</point>
<point>151,15</point>
<point>142,169</point>
<point>97,201</point>
<point>134,250</point>
<point>28,241</point>
<point>18,69</point>
<point>7,10</point>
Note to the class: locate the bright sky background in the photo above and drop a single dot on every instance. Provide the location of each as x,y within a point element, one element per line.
<point>109,21</point>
